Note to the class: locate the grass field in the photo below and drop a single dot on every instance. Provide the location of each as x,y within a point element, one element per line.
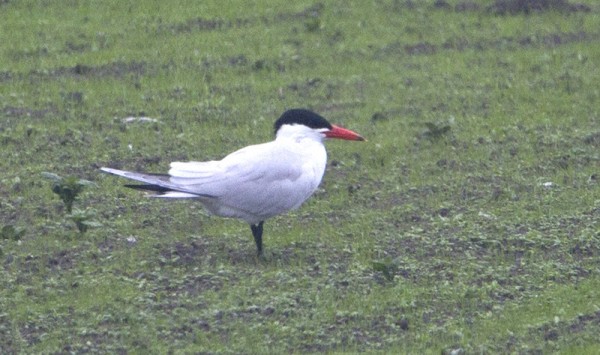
<point>468,223</point>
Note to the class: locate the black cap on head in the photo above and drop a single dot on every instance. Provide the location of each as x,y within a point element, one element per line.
<point>303,117</point>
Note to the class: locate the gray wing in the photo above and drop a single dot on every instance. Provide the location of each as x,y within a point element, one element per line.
<point>159,183</point>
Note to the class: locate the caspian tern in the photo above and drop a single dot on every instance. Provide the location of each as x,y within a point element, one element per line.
<point>256,182</point>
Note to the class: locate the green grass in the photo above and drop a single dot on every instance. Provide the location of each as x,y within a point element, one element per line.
<point>467,222</point>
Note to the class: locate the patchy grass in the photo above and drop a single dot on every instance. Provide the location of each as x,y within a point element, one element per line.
<point>467,223</point>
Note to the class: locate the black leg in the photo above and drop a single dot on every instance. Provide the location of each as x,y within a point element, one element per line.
<point>257,231</point>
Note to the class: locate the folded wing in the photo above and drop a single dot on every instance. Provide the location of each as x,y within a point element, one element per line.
<point>261,180</point>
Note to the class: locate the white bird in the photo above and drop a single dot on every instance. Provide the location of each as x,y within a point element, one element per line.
<point>256,182</point>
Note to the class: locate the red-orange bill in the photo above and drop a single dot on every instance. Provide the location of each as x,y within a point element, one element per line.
<point>343,133</point>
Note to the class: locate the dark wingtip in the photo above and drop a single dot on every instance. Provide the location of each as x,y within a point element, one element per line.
<point>148,187</point>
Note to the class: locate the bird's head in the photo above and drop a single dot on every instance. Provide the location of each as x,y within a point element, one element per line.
<point>309,120</point>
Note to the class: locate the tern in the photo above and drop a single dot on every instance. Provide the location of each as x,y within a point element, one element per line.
<point>256,182</point>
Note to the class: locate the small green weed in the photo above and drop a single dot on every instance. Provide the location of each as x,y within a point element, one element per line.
<point>436,131</point>
<point>68,189</point>
<point>388,267</point>
<point>11,232</point>
<point>84,219</point>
